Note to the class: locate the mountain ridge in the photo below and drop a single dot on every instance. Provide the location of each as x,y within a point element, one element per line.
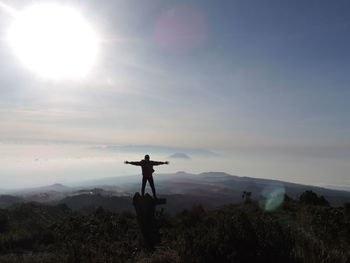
<point>184,189</point>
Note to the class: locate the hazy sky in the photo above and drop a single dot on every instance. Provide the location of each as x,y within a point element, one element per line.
<point>263,84</point>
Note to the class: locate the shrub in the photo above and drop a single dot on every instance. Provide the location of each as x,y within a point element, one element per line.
<point>310,198</point>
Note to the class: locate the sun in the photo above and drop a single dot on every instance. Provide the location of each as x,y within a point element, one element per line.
<point>53,41</point>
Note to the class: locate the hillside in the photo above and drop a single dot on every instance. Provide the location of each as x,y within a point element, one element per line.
<point>180,189</point>
<point>216,186</point>
<point>297,231</point>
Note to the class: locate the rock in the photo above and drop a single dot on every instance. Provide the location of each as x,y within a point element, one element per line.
<point>145,207</point>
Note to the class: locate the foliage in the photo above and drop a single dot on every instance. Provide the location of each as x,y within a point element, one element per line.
<point>309,197</point>
<point>298,231</point>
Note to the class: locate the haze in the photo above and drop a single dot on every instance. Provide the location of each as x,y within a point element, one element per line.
<point>254,89</point>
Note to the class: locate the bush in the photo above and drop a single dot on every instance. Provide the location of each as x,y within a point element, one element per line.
<point>310,198</point>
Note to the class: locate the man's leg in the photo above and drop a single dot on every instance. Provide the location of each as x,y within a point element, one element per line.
<point>144,181</point>
<point>151,183</point>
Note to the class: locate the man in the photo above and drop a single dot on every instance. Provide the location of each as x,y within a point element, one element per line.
<point>147,171</point>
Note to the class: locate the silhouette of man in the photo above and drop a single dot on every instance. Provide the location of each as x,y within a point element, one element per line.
<point>147,171</point>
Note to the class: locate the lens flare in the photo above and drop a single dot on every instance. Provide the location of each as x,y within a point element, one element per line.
<point>181,29</point>
<point>274,197</point>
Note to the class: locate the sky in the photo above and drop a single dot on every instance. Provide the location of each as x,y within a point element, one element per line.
<point>251,88</point>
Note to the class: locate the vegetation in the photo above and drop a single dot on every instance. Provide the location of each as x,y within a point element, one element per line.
<point>304,230</point>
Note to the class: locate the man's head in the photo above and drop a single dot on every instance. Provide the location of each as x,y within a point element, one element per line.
<point>147,157</point>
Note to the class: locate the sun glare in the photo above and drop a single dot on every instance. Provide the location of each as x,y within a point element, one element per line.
<point>53,41</point>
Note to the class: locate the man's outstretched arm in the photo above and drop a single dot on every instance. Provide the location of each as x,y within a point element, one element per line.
<point>159,163</point>
<point>133,163</point>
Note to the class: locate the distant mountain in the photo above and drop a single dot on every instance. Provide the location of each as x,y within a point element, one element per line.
<point>181,189</point>
<point>44,193</point>
<point>179,156</point>
<point>222,187</point>
<point>336,187</point>
<point>41,189</point>
<point>48,188</point>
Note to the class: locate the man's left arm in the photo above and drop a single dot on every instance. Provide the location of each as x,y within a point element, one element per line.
<point>159,163</point>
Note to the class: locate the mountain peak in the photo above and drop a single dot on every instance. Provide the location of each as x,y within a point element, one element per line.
<point>180,156</point>
<point>58,185</point>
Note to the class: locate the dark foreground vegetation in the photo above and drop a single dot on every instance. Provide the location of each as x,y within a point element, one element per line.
<point>303,230</point>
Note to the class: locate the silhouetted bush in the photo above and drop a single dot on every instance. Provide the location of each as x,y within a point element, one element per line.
<point>298,231</point>
<point>230,234</point>
<point>310,198</point>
